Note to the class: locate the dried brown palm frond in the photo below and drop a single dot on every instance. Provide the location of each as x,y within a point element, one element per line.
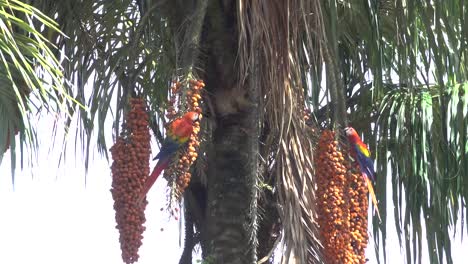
<point>276,43</point>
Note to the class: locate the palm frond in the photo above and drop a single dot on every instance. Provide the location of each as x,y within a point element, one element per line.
<point>113,49</point>
<point>274,40</point>
<point>28,68</point>
<point>429,180</point>
<point>411,55</point>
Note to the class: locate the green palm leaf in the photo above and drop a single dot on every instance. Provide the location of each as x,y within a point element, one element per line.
<point>27,65</point>
<point>429,180</point>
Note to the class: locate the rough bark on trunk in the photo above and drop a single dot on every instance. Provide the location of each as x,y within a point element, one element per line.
<point>228,225</point>
<point>232,160</point>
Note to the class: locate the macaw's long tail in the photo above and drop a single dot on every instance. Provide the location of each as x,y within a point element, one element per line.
<point>372,193</point>
<point>160,166</point>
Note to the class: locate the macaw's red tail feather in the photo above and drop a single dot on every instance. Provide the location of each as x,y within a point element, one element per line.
<point>160,166</point>
<point>372,193</point>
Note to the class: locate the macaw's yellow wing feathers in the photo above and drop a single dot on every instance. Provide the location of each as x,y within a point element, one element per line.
<point>372,193</point>
<point>363,149</point>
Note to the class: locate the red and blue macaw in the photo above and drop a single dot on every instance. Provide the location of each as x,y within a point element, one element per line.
<point>178,133</point>
<point>361,153</point>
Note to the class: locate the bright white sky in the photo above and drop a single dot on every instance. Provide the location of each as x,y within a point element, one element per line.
<point>52,217</point>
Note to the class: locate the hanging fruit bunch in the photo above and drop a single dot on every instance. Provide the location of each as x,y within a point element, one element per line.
<point>130,168</point>
<point>178,174</point>
<point>342,203</point>
<point>359,203</point>
<point>311,124</point>
<point>333,210</point>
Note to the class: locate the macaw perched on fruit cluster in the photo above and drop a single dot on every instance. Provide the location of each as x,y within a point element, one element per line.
<point>178,133</point>
<point>361,153</point>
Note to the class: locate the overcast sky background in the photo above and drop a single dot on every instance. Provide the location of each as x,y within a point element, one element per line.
<point>51,216</point>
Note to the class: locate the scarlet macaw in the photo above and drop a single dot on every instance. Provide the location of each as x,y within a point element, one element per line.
<point>361,153</point>
<point>178,134</point>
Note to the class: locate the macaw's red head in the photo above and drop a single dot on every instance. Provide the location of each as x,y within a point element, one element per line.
<point>191,116</point>
<point>351,134</point>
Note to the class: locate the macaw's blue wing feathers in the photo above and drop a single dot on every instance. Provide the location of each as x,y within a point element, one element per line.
<point>168,148</point>
<point>366,164</point>
<point>178,133</point>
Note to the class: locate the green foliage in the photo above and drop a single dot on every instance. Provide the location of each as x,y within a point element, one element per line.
<point>27,67</point>
<point>207,260</point>
<point>400,64</point>
<point>429,180</point>
<point>403,65</point>
<point>114,50</point>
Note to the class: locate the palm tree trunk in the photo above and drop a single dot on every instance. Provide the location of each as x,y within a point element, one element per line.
<point>230,195</point>
<point>230,219</point>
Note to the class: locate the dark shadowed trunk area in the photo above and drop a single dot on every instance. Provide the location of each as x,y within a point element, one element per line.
<point>232,165</point>
<point>227,230</point>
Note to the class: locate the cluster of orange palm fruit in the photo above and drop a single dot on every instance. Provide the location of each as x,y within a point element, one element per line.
<point>359,203</point>
<point>130,168</point>
<point>180,170</point>
<point>332,204</point>
<point>341,203</point>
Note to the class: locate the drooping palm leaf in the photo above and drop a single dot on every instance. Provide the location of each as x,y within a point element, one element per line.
<point>114,49</point>
<point>276,41</point>
<point>28,67</point>
<point>412,55</point>
<point>429,181</point>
